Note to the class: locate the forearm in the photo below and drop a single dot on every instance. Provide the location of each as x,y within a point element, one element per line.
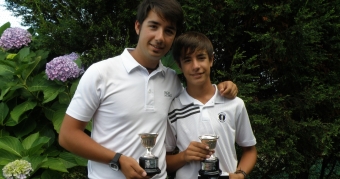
<point>174,162</point>
<point>248,159</point>
<point>81,144</point>
<point>73,138</point>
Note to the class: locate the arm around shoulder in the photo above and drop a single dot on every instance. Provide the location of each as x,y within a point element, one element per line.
<point>228,89</point>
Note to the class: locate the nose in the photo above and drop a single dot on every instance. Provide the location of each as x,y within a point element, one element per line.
<point>195,64</point>
<point>159,36</point>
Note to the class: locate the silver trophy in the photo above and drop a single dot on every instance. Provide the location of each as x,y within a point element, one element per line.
<point>149,162</point>
<point>210,168</point>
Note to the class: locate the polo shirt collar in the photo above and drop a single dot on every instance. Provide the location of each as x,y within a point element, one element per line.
<point>130,63</point>
<point>186,99</point>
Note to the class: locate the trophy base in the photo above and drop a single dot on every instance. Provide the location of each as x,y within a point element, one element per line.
<point>152,172</point>
<point>210,169</point>
<point>150,165</point>
<point>210,174</point>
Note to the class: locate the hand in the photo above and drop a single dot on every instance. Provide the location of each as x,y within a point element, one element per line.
<point>196,151</point>
<point>236,176</point>
<point>228,89</point>
<point>131,169</point>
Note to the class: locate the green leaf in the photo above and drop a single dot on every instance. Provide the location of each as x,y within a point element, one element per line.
<point>3,112</point>
<point>12,122</point>
<point>58,118</point>
<point>78,62</point>
<point>2,55</point>
<point>74,86</point>
<point>3,133</point>
<point>49,88</point>
<point>169,61</point>
<point>54,164</point>
<point>23,53</point>
<point>8,62</point>
<point>34,146</point>
<point>30,68</point>
<point>4,27</point>
<point>42,54</point>
<point>36,161</point>
<point>28,141</point>
<point>71,159</point>
<point>6,70</point>
<point>6,157</point>
<point>4,92</point>
<point>12,56</point>
<point>21,108</point>
<point>12,145</point>
<point>64,98</point>
<point>40,83</point>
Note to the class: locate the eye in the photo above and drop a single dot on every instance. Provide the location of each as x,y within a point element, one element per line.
<point>170,32</point>
<point>186,60</point>
<point>153,26</point>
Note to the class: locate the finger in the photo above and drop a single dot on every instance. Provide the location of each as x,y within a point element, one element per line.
<point>221,87</point>
<point>140,171</point>
<point>199,145</point>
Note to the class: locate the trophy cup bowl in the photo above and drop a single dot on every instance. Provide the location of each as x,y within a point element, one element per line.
<point>210,168</point>
<point>149,162</point>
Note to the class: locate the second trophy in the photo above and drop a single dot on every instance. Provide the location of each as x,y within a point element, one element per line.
<point>149,162</point>
<point>210,168</point>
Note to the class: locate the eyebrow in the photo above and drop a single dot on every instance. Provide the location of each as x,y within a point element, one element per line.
<point>157,23</point>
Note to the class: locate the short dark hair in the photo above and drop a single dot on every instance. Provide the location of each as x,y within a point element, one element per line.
<point>170,10</point>
<point>191,41</point>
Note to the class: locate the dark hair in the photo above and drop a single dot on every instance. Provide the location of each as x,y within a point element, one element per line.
<point>191,41</point>
<point>170,10</point>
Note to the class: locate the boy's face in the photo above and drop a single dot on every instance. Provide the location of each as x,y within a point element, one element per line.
<point>196,67</point>
<point>155,37</point>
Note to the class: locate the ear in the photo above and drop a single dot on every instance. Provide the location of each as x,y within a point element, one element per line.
<point>137,27</point>
<point>211,61</point>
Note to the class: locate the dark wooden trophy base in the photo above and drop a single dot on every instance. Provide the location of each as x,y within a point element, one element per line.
<point>150,165</point>
<point>210,169</point>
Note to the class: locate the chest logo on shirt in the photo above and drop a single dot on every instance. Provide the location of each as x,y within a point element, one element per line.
<point>167,94</point>
<point>222,116</point>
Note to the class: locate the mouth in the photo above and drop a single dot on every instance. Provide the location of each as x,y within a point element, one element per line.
<point>156,47</point>
<point>197,75</point>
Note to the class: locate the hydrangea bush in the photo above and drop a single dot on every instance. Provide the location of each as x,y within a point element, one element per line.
<point>15,38</point>
<point>34,96</point>
<point>18,169</point>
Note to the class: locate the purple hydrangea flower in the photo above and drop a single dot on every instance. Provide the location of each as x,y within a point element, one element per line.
<point>72,56</point>
<point>14,38</point>
<point>63,68</point>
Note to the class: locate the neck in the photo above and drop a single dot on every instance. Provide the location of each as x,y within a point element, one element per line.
<point>202,93</point>
<point>150,65</point>
<point>152,69</point>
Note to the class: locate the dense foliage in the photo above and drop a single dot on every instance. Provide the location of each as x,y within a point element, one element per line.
<point>32,107</point>
<point>283,55</point>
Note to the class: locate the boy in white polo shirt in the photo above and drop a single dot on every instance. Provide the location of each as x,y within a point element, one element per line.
<point>199,110</point>
<point>127,95</point>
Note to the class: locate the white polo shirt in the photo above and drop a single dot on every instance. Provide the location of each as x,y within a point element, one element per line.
<point>227,118</point>
<point>123,100</point>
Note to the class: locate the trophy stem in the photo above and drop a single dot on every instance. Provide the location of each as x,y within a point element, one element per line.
<point>148,153</point>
